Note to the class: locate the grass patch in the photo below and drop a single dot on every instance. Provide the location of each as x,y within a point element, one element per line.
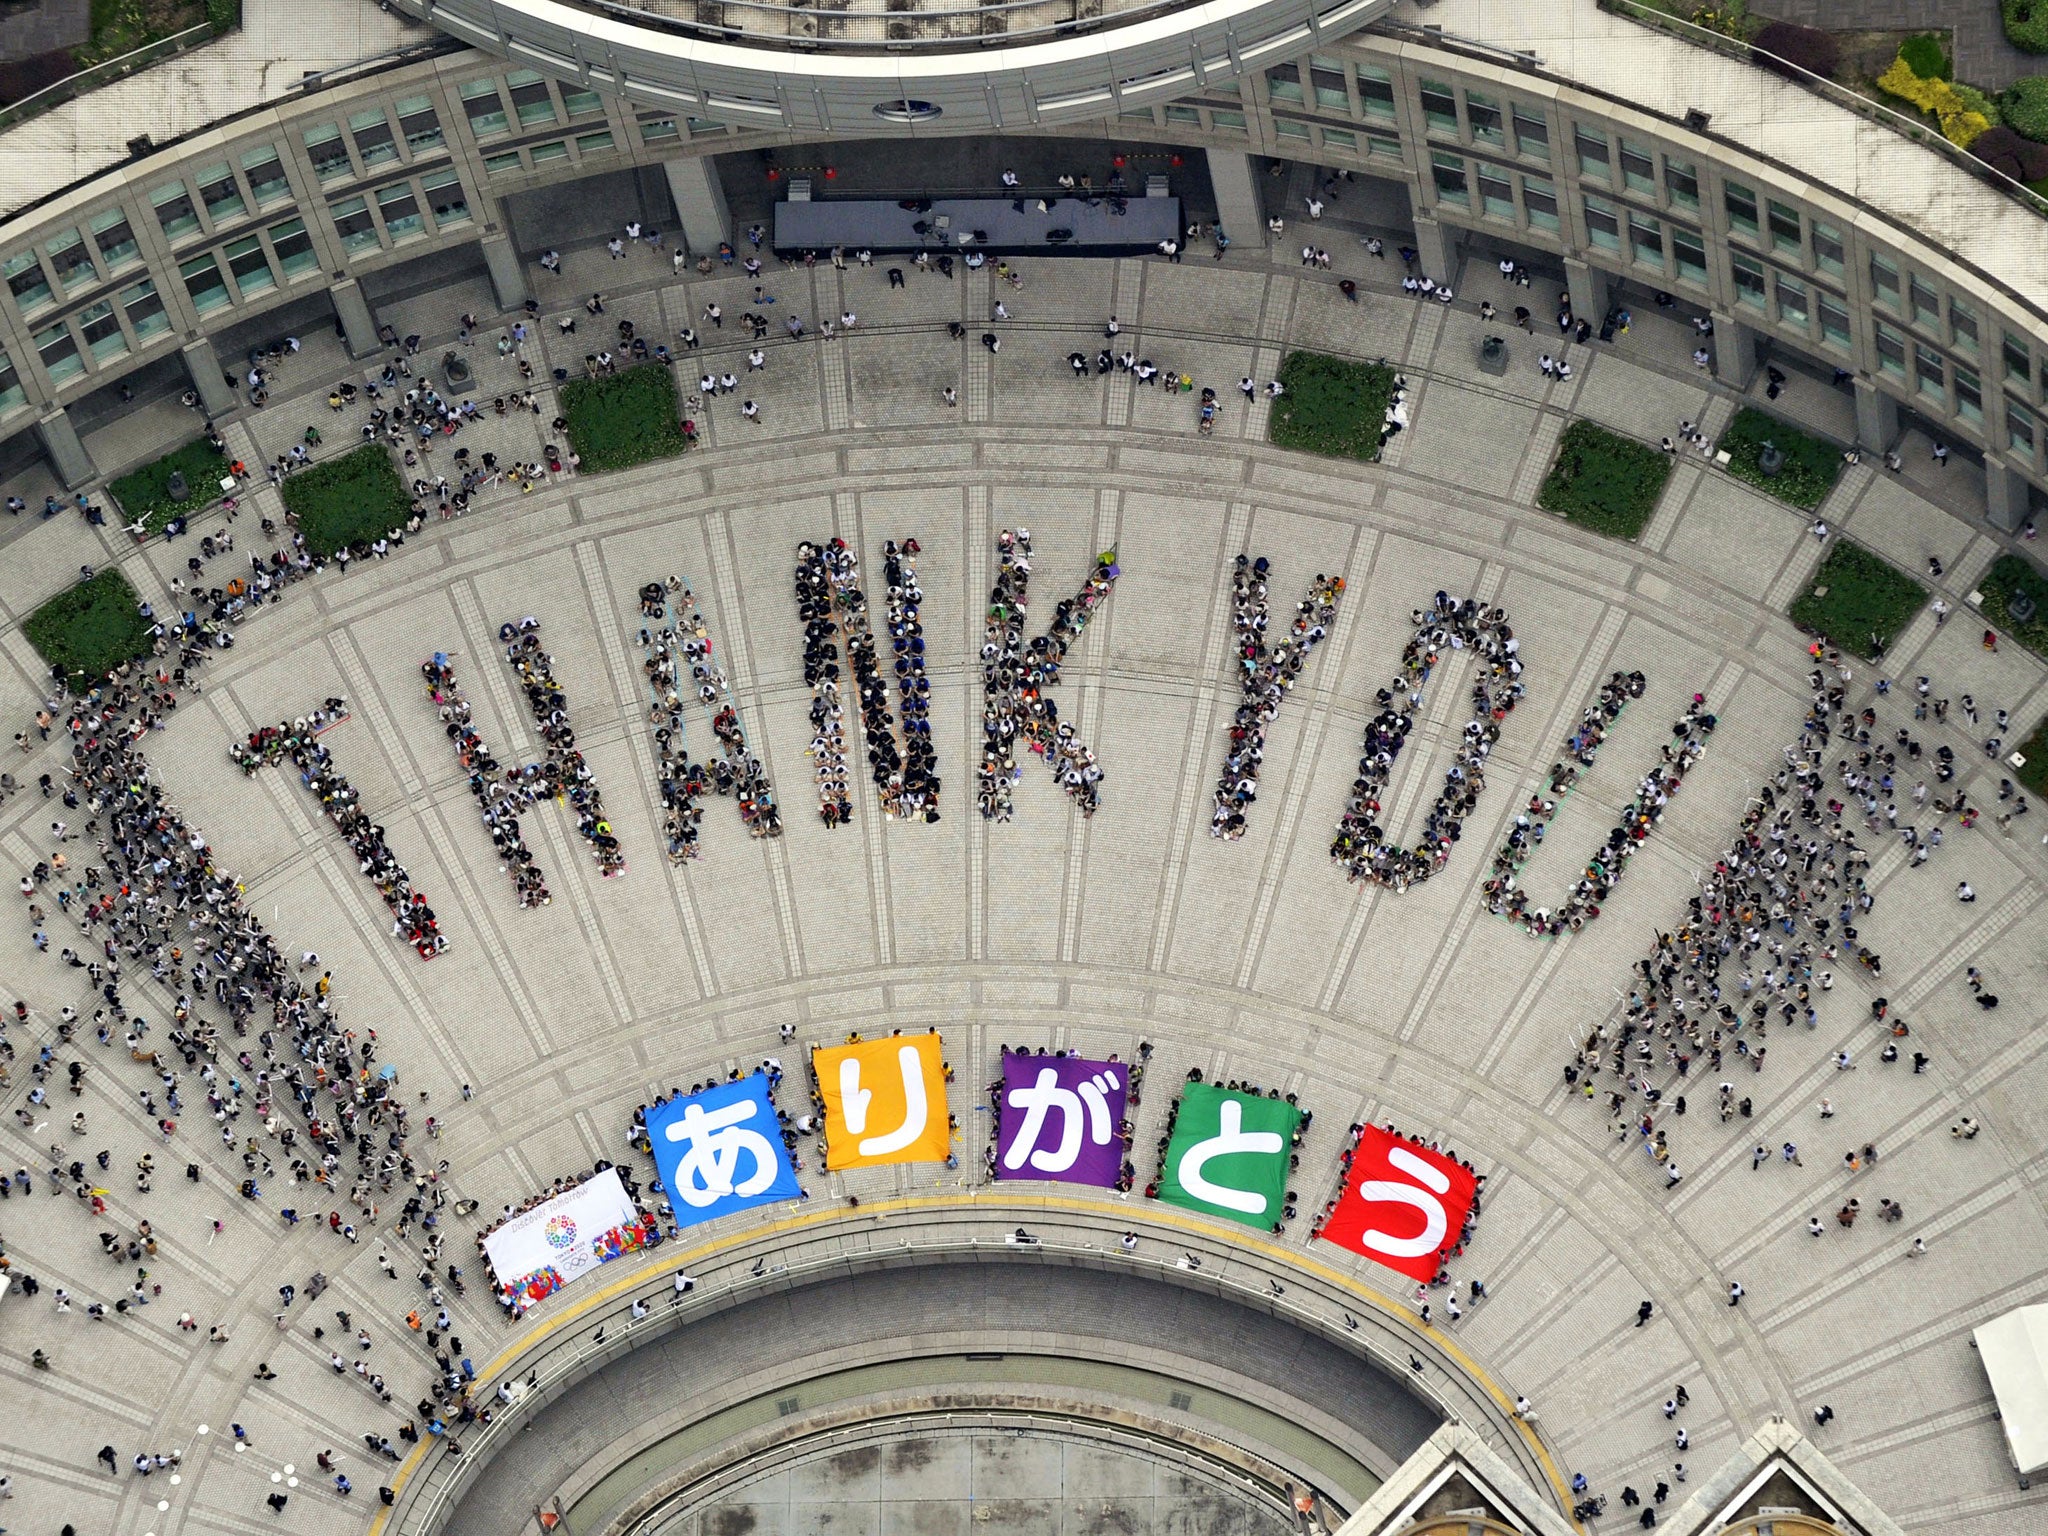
<point>1604,481</point>
<point>625,419</point>
<point>146,494</point>
<point>1857,600</point>
<point>1811,466</point>
<point>349,500</point>
<point>90,629</point>
<point>1331,406</point>
<point>2034,775</point>
<point>2008,577</point>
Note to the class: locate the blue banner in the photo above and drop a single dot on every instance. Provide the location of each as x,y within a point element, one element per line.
<point>721,1151</point>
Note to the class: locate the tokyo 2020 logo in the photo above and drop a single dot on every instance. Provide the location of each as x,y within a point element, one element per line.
<point>560,1232</point>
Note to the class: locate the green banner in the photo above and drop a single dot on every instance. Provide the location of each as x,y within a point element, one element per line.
<point>1228,1156</point>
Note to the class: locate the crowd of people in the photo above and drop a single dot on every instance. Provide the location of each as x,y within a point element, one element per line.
<point>1639,818</point>
<point>737,773</point>
<point>500,792</point>
<point>562,771</point>
<point>1362,845</point>
<point>681,780</point>
<point>1017,713</point>
<point>299,741</point>
<point>1265,674</point>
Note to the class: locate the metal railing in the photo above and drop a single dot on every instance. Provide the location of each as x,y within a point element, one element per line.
<point>104,73</point>
<point>1840,95</point>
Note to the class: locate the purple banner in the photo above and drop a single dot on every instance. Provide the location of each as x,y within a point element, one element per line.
<point>1059,1119</point>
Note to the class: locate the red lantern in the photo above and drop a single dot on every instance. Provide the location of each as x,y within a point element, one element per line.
<point>830,172</point>
<point>774,174</point>
<point>1117,161</point>
<point>1176,162</point>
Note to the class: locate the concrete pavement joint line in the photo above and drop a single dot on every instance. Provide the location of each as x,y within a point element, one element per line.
<point>978,536</point>
<point>868,817</point>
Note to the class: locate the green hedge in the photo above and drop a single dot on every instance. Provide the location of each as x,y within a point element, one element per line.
<point>90,629</point>
<point>1925,56</point>
<point>2024,106</point>
<point>146,493</point>
<point>2009,575</point>
<point>1604,481</point>
<point>2035,750</point>
<point>348,500</point>
<point>1811,466</point>
<point>2026,24</point>
<point>1857,600</point>
<point>1331,406</point>
<point>625,418</point>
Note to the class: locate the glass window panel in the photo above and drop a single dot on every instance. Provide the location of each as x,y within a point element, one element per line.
<point>656,129</point>
<point>1969,393</point>
<point>1741,205</point>
<point>267,180</point>
<point>1784,226</point>
<point>531,98</point>
<point>352,222</point>
<point>221,194</point>
<point>579,102</point>
<point>1385,148</point>
<point>203,281</point>
<point>1539,197</point>
<point>1287,128</point>
<point>1933,378</point>
<point>1532,134</point>
<point>250,266</point>
<point>25,278</point>
<point>1926,302</point>
<point>1690,252</point>
<point>484,108</point>
<point>1482,114</point>
<point>59,352</point>
<point>1834,320</point>
<point>1749,279</point>
<point>557,150</point>
<point>1592,148</point>
<point>2019,363</point>
<point>375,143</point>
<point>174,210</point>
<point>1340,138</point>
<point>1175,113</point>
<point>144,307</point>
<point>420,124</point>
<point>1375,91</point>
<point>1827,248</point>
<point>1884,279</point>
<point>12,394</point>
<point>1637,168</point>
<point>1682,182</point>
<point>293,245</point>
<point>1283,83</point>
<point>1439,106</point>
<point>112,233</point>
<point>594,143</point>
<point>1448,172</point>
<point>1962,325</point>
<point>1327,76</point>
<point>1496,192</point>
<point>2019,426</point>
<point>498,165</point>
<point>446,197</point>
<point>401,211</point>
<point>1891,350</point>
<point>100,328</point>
<point>1792,300</point>
<point>1601,225</point>
<point>1646,239</point>
<point>328,153</point>
<point>69,260</point>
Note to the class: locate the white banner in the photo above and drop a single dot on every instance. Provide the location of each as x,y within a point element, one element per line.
<point>566,1236</point>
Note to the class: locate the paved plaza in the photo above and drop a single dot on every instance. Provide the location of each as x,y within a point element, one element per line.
<point>1249,959</point>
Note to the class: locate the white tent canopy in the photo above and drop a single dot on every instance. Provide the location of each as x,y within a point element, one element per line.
<point>2015,1352</point>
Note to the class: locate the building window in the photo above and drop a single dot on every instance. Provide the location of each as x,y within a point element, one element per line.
<point>499,165</point>
<point>655,129</point>
<point>580,101</point>
<point>12,394</point>
<point>446,197</point>
<point>1740,202</point>
<point>249,266</point>
<point>1375,91</point>
<point>1690,253</point>
<point>267,181</point>
<point>1283,84</point>
<point>1638,170</point>
<point>59,351</point>
<point>174,210</point>
<point>375,143</point>
<point>25,279</point>
<point>1439,107</point>
<point>1749,279</point>
<point>420,124</point>
<point>1646,239</point>
<point>203,282</point>
<point>1532,134</point>
<point>1969,394</point>
<point>1288,128</point>
<point>1891,351</point>
<point>1496,192</point>
<point>221,194</point>
<point>1784,226</point>
<point>1175,113</point>
<point>1386,146</point>
<point>558,150</point>
<point>1962,326</point>
<point>70,261</point>
<point>1602,228</point>
<point>1327,76</point>
<point>400,210</point>
<point>484,108</point>
<point>100,329</point>
<point>594,143</point>
<point>1539,197</point>
<point>1926,303</point>
<point>1333,138</point>
<point>1449,174</point>
<point>2019,363</point>
<point>1884,281</point>
<point>1592,148</point>
<point>1792,301</point>
<point>352,222</point>
<point>144,307</point>
<point>114,236</point>
<point>327,152</point>
<point>1482,116</point>
<point>531,98</point>
<point>1933,378</point>
<point>2019,426</point>
<point>1682,182</point>
<point>1834,320</point>
<point>1827,248</point>
<point>293,245</point>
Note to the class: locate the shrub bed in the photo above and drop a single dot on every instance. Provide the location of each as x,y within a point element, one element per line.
<point>1332,406</point>
<point>347,500</point>
<point>2026,24</point>
<point>1604,481</point>
<point>1811,466</point>
<point>1809,48</point>
<point>146,494</point>
<point>2024,106</point>
<point>1925,56</point>
<point>1857,600</point>
<point>90,629</point>
<point>2035,750</point>
<point>624,419</point>
<point>2008,577</point>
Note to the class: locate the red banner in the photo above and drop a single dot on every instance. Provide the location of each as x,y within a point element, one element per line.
<point>1402,1205</point>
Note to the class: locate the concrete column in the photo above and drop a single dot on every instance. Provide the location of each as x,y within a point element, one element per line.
<point>1588,288</point>
<point>508,272</point>
<point>1436,249</point>
<point>203,363</point>
<point>1238,206</point>
<point>1877,417</point>
<point>67,455</point>
<point>2006,495</point>
<point>1734,351</point>
<point>358,325</point>
<point>700,203</point>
